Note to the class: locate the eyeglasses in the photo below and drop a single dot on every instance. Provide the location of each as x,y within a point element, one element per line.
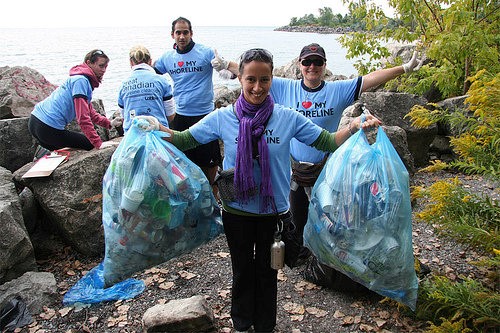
<point>257,54</point>
<point>309,62</point>
<point>97,52</point>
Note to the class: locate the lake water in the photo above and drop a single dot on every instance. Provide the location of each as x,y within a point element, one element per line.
<point>52,52</point>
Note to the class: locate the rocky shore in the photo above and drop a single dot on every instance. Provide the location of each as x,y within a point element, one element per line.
<point>315,29</point>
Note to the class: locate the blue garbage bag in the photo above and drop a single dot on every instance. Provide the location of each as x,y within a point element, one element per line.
<point>157,205</point>
<point>360,217</point>
<point>90,289</point>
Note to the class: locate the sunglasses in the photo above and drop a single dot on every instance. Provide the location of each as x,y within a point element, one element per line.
<point>97,52</point>
<point>257,54</point>
<point>309,62</point>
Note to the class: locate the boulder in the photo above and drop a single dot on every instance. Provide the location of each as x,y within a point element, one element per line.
<point>396,135</point>
<point>17,146</point>
<point>20,89</point>
<point>392,108</point>
<point>71,198</point>
<point>36,289</point>
<point>16,251</point>
<point>180,315</point>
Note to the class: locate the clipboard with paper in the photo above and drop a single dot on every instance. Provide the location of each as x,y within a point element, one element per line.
<point>46,165</point>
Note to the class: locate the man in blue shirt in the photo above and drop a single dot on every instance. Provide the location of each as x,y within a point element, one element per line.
<point>190,65</point>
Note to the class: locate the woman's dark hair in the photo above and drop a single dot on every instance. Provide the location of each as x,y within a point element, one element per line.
<point>94,55</point>
<point>181,19</point>
<point>256,54</point>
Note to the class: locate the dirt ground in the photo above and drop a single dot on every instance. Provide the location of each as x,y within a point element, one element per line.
<point>302,306</point>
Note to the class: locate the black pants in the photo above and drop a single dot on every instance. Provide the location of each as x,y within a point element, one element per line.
<point>255,283</point>
<point>299,207</point>
<point>51,138</point>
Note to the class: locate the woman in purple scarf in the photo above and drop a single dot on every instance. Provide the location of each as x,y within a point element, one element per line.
<point>256,135</point>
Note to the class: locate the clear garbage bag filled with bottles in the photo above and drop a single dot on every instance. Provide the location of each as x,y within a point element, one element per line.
<point>157,204</point>
<point>360,218</point>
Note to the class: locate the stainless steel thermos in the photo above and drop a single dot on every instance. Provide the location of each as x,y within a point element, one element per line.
<point>277,252</point>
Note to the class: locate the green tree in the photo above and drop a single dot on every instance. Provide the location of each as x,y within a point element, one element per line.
<point>459,39</point>
<point>325,16</point>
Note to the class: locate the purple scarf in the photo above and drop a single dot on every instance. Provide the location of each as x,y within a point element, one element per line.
<point>253,119</point>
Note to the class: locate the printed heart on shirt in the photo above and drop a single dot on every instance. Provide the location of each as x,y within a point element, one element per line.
<point>307,104</point>
<point>180,63</point>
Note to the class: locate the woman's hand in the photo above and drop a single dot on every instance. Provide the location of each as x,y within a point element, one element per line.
<point>369,122</point>
<point>170,134</point>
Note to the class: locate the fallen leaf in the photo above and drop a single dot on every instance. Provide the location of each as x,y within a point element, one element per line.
<point>47,313</point>
<point>384,314</point>
<point>64,311</point>
<point>338,314</point>
<point>70,272</point>
<point>366,328</point>
<point>294,308</point>
<point>187,275</point>
<point>297,317</point>
<point>357,319</point>
<point>222,254</point>
<point>166,285</point>
<point>318,313</point>
<point>282,276</point>
<point>92,320</point>
<point>347,320</point>
<point>224,293</point>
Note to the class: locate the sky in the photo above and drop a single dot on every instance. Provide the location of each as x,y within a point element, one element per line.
<point>106,13</point>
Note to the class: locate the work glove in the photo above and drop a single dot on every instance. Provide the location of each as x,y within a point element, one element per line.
<point>218,63</point>
<point>118,121</point>
<point>147,123</point>
<point>226,75</point>
<point>414,64</point>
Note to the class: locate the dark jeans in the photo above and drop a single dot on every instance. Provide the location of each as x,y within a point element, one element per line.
<point>51,138</point>
<point>299,207</point>
<point>255,283</point>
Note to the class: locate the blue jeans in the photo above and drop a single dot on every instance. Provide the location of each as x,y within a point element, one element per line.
<point>255,283</point>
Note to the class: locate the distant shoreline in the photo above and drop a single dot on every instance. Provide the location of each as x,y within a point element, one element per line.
<point>314,29</point>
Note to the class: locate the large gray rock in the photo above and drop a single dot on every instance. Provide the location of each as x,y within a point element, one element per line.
<point>16,251</point>
<point>71,198</point>
<point>37,289</point>
<point>17,146</point>
<point>392,108</point>
<point>180,315</point>
<point>396,135</point>
<point>20,89</point>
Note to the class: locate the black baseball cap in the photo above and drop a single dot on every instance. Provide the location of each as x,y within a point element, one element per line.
<point>312,49</point>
